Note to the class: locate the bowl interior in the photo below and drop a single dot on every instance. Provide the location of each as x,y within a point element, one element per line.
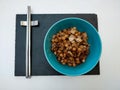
<point>93,40</point>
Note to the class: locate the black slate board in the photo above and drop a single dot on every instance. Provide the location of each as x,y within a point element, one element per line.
<point>40,65</point>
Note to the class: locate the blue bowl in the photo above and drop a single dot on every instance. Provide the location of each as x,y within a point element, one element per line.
<point>93,39</point>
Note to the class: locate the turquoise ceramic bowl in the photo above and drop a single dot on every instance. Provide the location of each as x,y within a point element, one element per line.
<point>93,39</point>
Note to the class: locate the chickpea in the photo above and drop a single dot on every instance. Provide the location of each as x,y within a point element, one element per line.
<point>68,32</point>
<point>59,59</point>
<point>76,34</point>
<point>59,38</point>
<point>63,38</point>
<point>53,36</point>
<point>66,36</point>
<point>73,49</point>
<point>77,61</point>
<point>61,55</point>
<point>79,33</point>
<point>65,60</point>
<point>63,63</point>
<point>74,45</point>
<point>70,47</point>
<point>79,49</point>
<point>66,44</point>
<point>64,54</point>
<point>61,48</point>
<point>74,64</point>
<point>84,35</point>
<point>55,53</point>
<point>69,64</point>
<point>59,51</point>
<point>53,40</point>
<point>79,39</point>
<point>83,60</point>
<point>74,28</point>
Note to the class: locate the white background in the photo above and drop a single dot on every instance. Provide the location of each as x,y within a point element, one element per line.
<point>108,12</point>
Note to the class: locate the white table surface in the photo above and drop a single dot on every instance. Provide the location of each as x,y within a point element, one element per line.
<point>108,12</point>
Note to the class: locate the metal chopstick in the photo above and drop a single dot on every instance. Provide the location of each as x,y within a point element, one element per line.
<point>28,43</point>
<point>28,23</point>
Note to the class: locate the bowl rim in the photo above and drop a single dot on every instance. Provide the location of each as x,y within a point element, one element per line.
<point>76,18</point>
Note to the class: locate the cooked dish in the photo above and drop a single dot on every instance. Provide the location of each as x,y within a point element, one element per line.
<point>70,46</point>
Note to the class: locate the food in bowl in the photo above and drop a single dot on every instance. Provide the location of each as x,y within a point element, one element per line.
<point>70,46</point>
<point>94,41</point>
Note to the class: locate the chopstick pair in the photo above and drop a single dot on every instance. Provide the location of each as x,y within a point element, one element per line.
<point>28,25</point>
